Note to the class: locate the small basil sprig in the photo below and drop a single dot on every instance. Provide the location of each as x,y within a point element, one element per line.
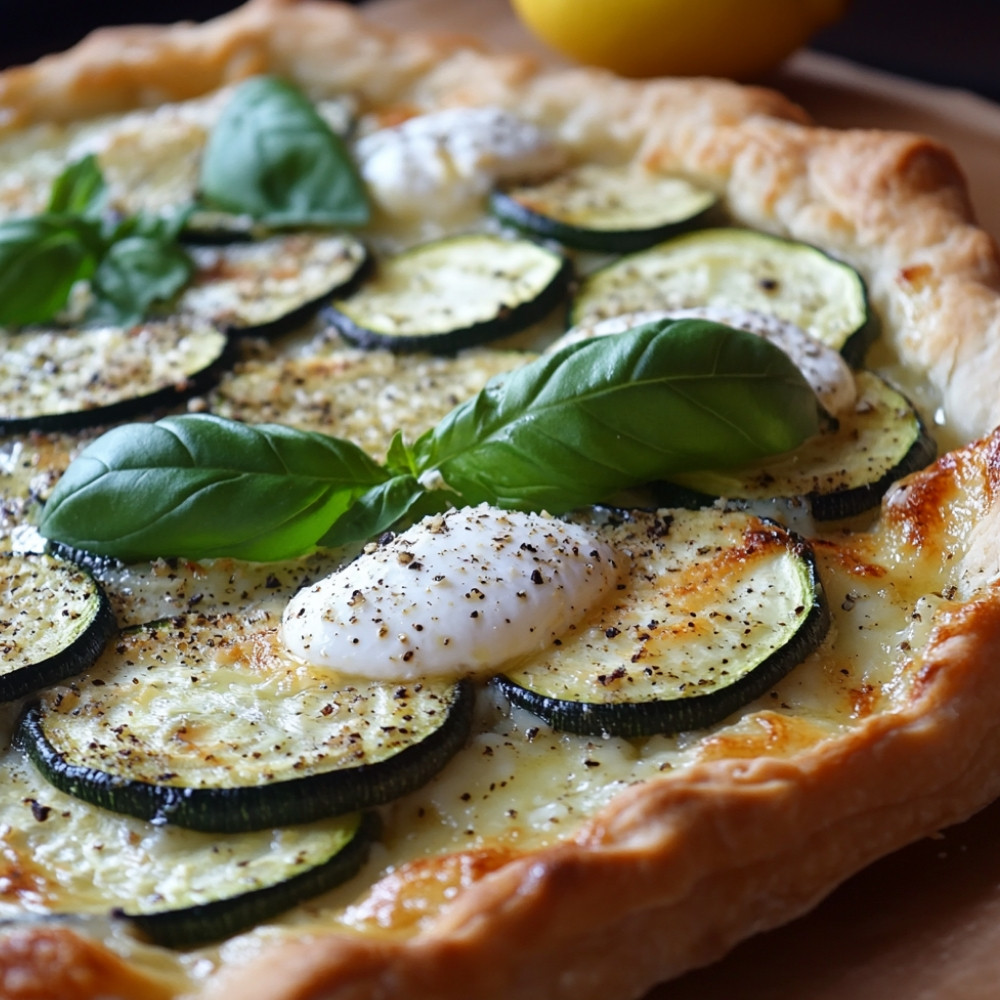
<point>272,157</point>
<point>132,263</point>
<point>79,190</point>
<point>143,265</point>
<point>565,430</point>
<point>41,259</point>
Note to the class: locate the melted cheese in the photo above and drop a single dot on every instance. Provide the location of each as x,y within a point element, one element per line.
<point>364,396</point>
<point>518,784</point>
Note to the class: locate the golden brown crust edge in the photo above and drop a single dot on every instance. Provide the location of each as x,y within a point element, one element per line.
<point>704,854</point>
<point>324,46</point>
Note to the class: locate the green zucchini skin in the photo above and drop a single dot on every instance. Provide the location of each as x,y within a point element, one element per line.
<point>87,630</point>
<point>743,269</point>
<point>605,209</point>
<point>236,288</point>
<point>119,399</point>
<point>204,923</point>
<point>851,465</point>
<point>387,312</point>
<point>244,808</point>
<point>640,717</point>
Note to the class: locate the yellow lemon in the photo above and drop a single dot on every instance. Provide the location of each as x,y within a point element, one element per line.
<point>740,39</point>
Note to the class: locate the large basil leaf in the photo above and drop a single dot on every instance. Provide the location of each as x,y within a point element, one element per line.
<point>613,412</point>
<point>568,429</point>
<point>271,156</point>
<point>200,486</point>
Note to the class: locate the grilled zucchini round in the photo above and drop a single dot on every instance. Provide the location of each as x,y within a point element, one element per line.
<point>54,622</point>
<point>717,608</point>
<point>843,471</point>
<point>240,880</point>
<point>741,269</point>
<point>69,379</point>
<point>453,293</point>
<point>606,208</point>
<point>204,721</point>
<point>177,887</point>
<point>270,286</point>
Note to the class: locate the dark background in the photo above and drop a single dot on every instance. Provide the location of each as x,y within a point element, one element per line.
<point>951,42</point>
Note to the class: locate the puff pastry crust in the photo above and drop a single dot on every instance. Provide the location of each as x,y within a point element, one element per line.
<point>675,870</point>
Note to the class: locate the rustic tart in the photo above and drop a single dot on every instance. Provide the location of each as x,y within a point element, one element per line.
<point>511,837</point>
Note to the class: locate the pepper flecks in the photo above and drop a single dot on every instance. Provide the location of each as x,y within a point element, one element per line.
<point>500,585</point>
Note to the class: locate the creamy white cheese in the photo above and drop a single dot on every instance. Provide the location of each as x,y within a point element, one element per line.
<point>459,593</point>
<point>442,164</point>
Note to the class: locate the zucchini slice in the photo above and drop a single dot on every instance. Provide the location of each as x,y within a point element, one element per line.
<point>603,207</point>
<point>453,293</point>
<point>718,607</point>
<point>843,471</point>
<point>270,286</point>
<point>68,379</point>
<point>55,620</point>
<point>237,881</point>
<point>739,268</point>
<point>177,887</point>
<point>365,396</point>
<point>205,722</point>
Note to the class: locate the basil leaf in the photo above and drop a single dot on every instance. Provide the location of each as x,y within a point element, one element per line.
<point>80,189</point>
<point>271,156</point>
<point>379,509</point>
<point>134,274</point>
<point>399,459</point>
<point>568,429</point>
<point>200,486</point>
<point>613,412</point>
<point>41,258</point>
<point>133,263</point>
<point>165,225</point>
